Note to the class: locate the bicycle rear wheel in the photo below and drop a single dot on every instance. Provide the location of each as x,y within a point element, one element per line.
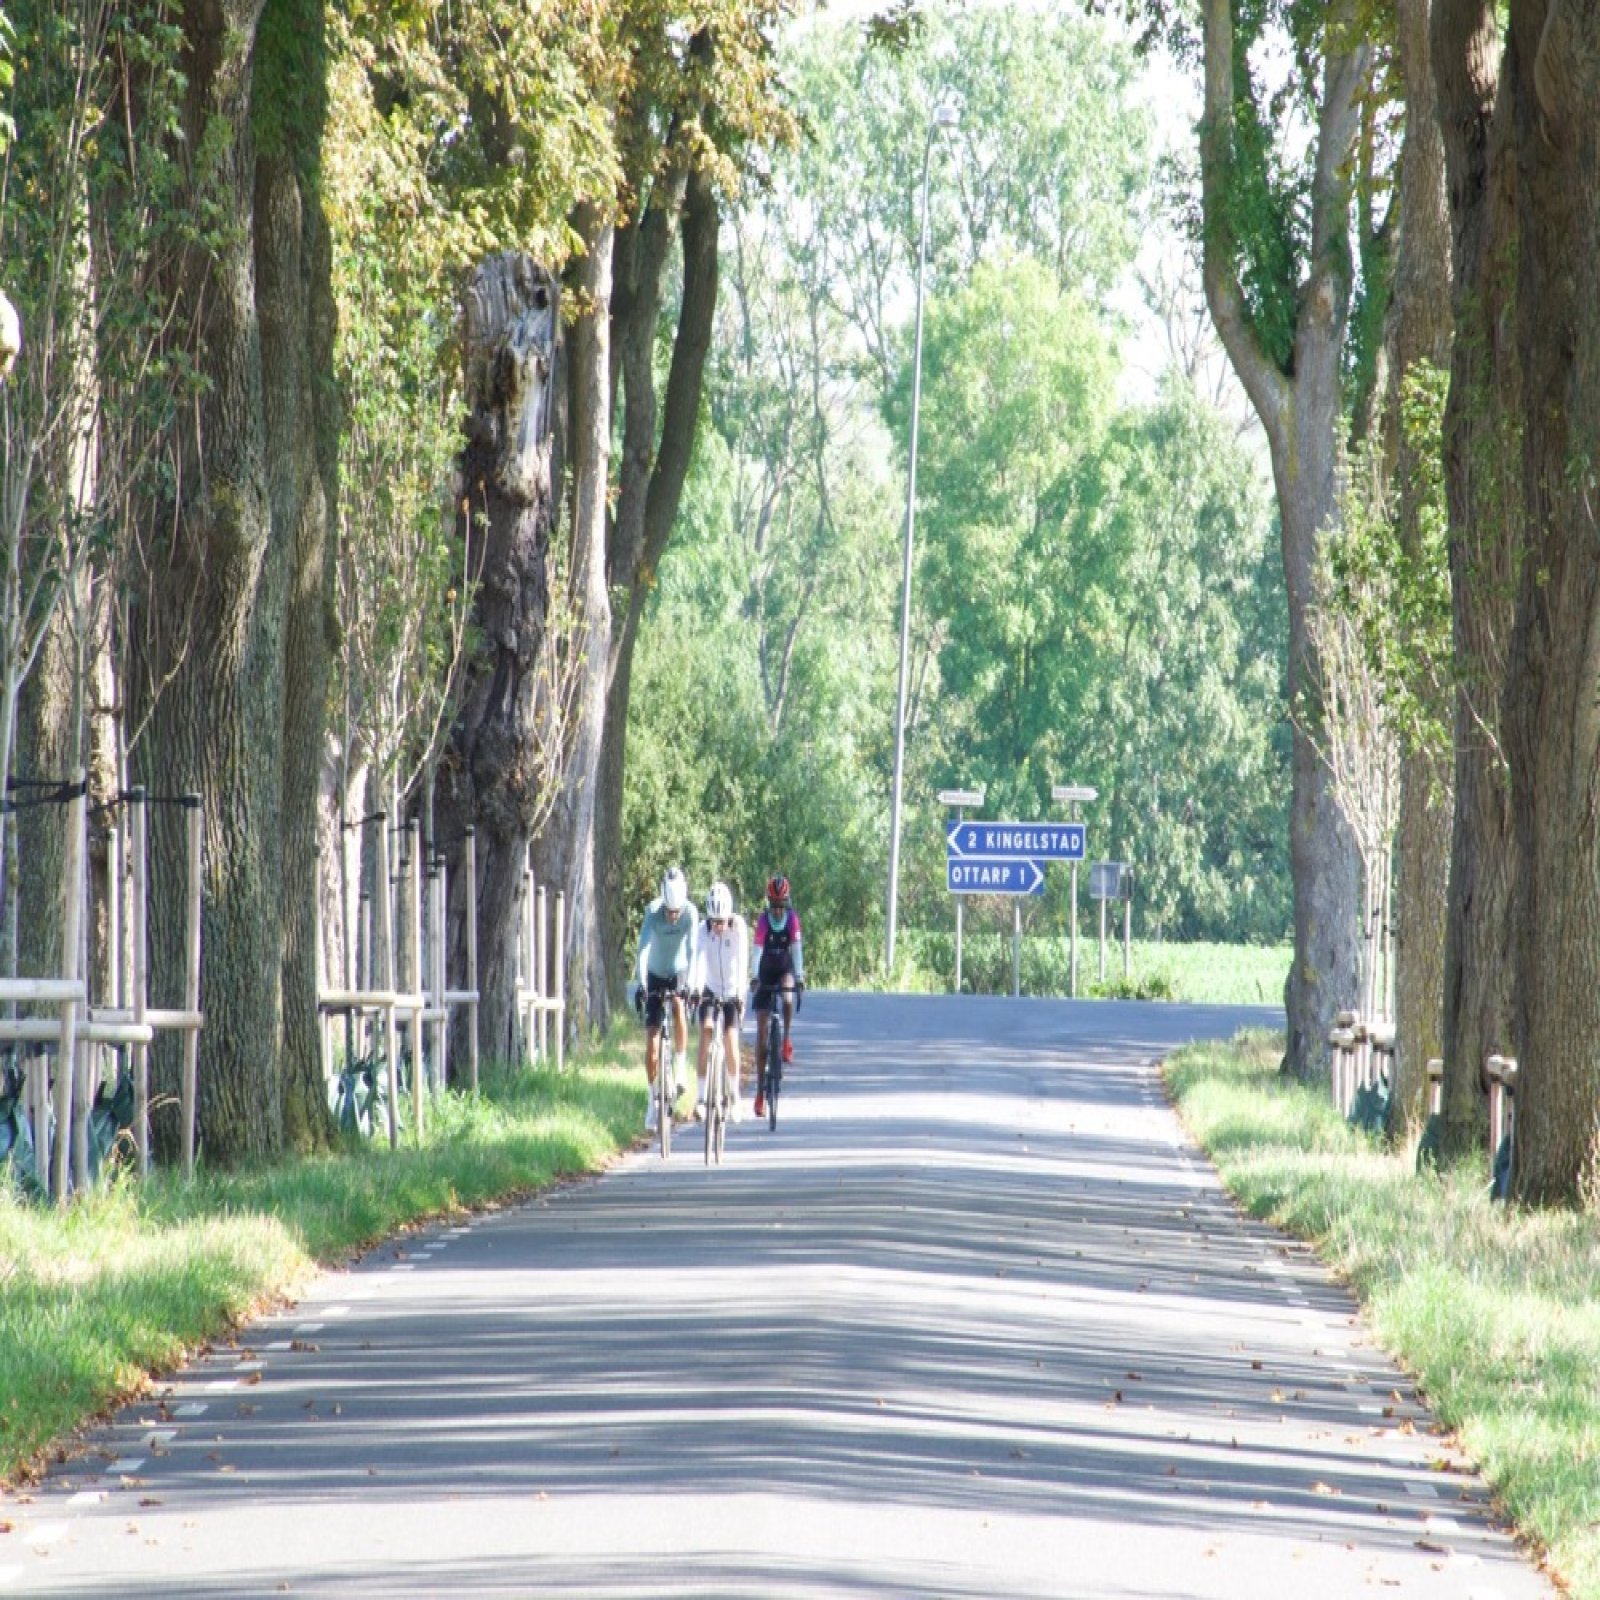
<point>665,1069</point>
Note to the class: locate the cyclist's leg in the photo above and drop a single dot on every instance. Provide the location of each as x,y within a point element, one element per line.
<point>763,998</point>
<point>730,1047</point>
<point>788,1015</point>
<point>707,1013</point>
<point>652,1046</point>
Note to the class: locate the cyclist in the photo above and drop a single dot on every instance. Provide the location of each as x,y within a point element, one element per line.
<point>777,968</point>
<point>666,942</point>
<point>716,975</point>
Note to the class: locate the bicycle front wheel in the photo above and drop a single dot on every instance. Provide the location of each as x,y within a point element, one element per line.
<point>774,1064</point>
<point>713,1112</point>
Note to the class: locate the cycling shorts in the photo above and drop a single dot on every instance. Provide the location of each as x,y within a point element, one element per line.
<point>657,991</point>
<point>732,1010</point>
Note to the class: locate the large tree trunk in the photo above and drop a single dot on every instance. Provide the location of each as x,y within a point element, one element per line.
<point>492,776</point>
<point>1421,329</point>
<point>1482,477</point>
<point>565,852</point>
<point>209,645</point>
<point>650,489</point>
<point>1552,74</point>
<point>295,298</point>
<point>1301,410</point>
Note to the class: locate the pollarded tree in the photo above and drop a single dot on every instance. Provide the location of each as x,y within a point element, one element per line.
<point>1519,111</point>
<point>1279,274</point>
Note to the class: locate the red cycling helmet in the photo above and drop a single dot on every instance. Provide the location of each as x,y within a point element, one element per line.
<point>778,890</point>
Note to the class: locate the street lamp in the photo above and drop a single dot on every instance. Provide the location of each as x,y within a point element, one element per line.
<point>943,117</point>
<point>1072,794</point>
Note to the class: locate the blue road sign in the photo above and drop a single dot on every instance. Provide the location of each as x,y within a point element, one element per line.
<point>1036,841</point>
<point>994,875</point>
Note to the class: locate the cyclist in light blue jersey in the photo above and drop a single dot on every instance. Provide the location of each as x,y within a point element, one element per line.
<point>666,945</point>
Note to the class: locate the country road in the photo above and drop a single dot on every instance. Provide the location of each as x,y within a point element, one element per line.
<point>976,1321</point>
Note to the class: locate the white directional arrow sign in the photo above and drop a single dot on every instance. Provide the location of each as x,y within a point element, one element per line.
<point>1035,841</point>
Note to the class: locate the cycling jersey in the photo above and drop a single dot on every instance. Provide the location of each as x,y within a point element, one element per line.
<point>776,952</point>
<point>719,959</point>
<point>665,947</point>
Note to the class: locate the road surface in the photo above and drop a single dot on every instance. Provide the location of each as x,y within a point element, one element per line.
<point>975,1322</point>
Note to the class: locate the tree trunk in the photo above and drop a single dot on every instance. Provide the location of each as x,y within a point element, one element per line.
<point>1421,334</point>
<point>1482,474</point>
<point>1552,73</point>
<point>565,852</point>
<point>1301,410</point>
<point>209,649</point>
<point>650,491</point>
<point>295,299</point>
<point>491,776</point>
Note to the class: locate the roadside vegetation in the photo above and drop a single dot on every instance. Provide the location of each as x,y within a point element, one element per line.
<point>130,1278</point>
<point>1495,1309</point>
<point>1194,971</point>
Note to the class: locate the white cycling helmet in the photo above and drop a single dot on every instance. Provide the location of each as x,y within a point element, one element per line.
<point>719,902</point>
<point>674,889</point>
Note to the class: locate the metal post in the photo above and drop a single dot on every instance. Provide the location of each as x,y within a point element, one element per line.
<point>1016,947</point>
<point>470,912</point>
<point>1072,982</point>
<point>140,985</point>
<point>1071,794</point>
<point>943,117</point>
<point>191,982</point>
<point>1127,922</point>
<point>383,971</point>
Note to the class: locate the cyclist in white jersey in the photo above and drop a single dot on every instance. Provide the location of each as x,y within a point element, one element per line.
<point>716,976</point>
<point>666,943</point>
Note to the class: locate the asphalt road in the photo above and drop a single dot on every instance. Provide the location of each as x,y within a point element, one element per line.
<point>975,1322</point>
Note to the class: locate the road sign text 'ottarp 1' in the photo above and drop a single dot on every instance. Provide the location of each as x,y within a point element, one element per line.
<point>994,875</point>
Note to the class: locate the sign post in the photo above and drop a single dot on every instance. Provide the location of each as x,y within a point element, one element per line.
<point>1110,880</point>
<point>1073,794</point>
<point>1008,858</point>
<point>960,799</point>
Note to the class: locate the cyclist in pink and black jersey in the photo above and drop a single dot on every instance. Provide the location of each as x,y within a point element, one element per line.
<point>777,969</point>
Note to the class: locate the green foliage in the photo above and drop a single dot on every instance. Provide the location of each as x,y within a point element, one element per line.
<point>1398,595</point>
<point>1096,595</point>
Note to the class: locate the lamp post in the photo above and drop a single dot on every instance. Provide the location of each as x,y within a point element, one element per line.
<point>1072,794</point>
<point>943,117</point>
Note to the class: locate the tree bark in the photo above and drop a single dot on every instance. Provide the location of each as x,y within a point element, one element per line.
<point>1552,76</point>
<point>209,650</point>
<point>1482,473</point>
<point>491,776</point>
<point>650,491</point>
<point>1301,411</point>
<point>565,853</point>
<point>294,294</point>
<point>1421,327</point>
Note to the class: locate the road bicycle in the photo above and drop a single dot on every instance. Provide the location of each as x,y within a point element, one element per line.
<point>668,1060</point>
<point>719,1101</point>
<point>772,1069</point>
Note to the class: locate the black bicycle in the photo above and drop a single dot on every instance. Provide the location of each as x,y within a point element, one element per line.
<point>772,1066</point>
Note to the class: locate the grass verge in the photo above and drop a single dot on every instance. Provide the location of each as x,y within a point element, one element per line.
<point>1494,1309</point>
<point>121,1284</point>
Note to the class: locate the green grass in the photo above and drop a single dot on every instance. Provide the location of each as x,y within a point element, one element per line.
<point>1208,974</point>
<point>1494,1309</point>
<point>125,1281</point>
